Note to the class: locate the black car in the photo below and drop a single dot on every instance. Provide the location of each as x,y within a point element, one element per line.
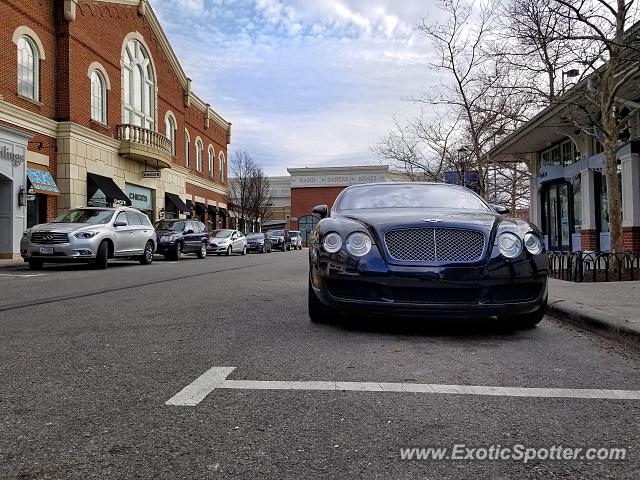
<point>280,239</point>
<point>425,249</point>
<point>258,242</point>
<point>175,237</point>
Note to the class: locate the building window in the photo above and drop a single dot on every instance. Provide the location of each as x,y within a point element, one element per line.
<point>170,125</point>
<point>138,87</point>
<point>564,153</point>
<point>221,162</point>
<point>186,148</point>
<point>28,68</point>
<point>199,155</point>
<point>98,97</point>
<point>211,161</point>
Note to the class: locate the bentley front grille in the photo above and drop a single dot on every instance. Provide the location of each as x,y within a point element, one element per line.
<point>450,245</point>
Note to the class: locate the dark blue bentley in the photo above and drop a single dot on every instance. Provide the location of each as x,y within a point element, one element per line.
<point>429,249</point>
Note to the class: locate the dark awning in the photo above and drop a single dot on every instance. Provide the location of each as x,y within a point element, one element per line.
<point>223,212</point>
<point>213,210</point>
<point>177,202</point>
<point>189,205</point>
<point>42,181</point>
<point>107,186</point>
<point>201,207</point>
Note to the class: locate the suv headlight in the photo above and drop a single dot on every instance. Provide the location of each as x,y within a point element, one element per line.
<point>509,244</point>
<point>358,244</point>
<point>533,243</point>
<point>85,234</point>
<point>27,234</point>
<point>332,242</point>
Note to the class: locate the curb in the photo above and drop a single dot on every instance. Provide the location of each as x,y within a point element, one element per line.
<point>566,311</point>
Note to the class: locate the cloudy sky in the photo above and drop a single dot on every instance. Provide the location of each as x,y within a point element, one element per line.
<point>304,82</point>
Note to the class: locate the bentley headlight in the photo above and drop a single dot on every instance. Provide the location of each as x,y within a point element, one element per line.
<point>332,242</point>
<point>358,244</point>
<point>533,243</point>
<point>509,244</point>
<point>84,234</point>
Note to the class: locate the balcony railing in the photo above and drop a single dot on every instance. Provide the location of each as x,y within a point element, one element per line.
<point>144,145</point>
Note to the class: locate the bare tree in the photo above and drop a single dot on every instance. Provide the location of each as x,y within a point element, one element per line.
<point>475,79</point>
<point>248,189</point>
<point>599,108</point>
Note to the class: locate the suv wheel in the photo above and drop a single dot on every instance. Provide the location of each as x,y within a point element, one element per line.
<point>35,264</point>
<point>177,251</point>
<point>102,256</point>
<point>147,256</point>
<point>244,250</point>
<point>203,250</point>
<point>229,251</point>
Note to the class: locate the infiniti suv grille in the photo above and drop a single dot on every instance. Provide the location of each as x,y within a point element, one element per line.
<point>49,238</point>
<point>453,245</point>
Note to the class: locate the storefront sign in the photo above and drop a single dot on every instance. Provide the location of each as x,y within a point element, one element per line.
<point>151,174</point>
<point>141,198</point>
<point>7,154</point>
<point>301,181</point>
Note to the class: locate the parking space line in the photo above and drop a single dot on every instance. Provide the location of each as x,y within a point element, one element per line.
<point>23,275</point>
<point>216,378</point>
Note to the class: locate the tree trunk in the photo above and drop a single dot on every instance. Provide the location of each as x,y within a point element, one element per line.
<point>613,197</point>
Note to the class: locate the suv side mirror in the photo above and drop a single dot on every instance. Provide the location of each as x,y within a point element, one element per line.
<point>502,210</point>
<point>321,210</point>
<point>119,223</point>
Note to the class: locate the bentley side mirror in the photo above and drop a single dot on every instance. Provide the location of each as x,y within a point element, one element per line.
<point>321,210</point>
<point>502,210</point>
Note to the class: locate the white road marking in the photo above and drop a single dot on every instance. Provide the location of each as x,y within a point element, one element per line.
<point>216,378</point>
<point>21,274</point>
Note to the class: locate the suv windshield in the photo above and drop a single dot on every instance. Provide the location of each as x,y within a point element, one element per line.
<point>410,196</point>
<point>276,233</point>
<point>173,226</point>
<point>221,233</point>
<point>81,215</point>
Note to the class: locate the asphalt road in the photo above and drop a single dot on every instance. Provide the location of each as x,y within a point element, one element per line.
<point>89,358</point>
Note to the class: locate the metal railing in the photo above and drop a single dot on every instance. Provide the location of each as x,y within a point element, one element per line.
<point>594,266</point>
<point>144,136</point>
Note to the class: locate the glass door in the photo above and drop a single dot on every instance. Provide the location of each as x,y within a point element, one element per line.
<point>557,216</point>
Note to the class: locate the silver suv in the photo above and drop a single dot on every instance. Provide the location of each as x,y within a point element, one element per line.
<point>90,235</point>
<point>296,239</point>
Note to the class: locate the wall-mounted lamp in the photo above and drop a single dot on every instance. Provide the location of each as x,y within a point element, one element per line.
<point>22,196</point>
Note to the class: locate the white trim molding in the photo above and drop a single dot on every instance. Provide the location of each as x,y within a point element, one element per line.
<point>98,66</point>
<point>26,31</point>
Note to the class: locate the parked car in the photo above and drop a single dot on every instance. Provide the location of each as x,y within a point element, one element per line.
<point>428,249</point>
<point>90,235</point>
<point>228,241</point>
<point>296,239</point>
<point>258,242</point>
<point>280,239</point>
<point>175,237</point>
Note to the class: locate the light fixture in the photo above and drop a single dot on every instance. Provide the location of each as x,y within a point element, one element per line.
<point>22,196</point>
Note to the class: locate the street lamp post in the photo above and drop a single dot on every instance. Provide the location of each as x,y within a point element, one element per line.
<point>462,154</point>
<point>574,72</point>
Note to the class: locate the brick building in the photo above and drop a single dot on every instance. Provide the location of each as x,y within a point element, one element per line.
<point>95,109</point>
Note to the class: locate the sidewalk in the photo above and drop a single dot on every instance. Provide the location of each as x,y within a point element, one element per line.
<point>11,263</point>
<point>610,306</point>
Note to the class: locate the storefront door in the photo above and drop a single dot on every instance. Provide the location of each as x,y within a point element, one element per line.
<point>557,215</point>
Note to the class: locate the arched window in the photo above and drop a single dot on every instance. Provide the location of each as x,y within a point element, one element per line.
<point>170,125</point>
<point>139,90</point>
<point>221,162</point>
<point>98,97</point>
<point>211,161</point>
<point>186,147</point>
<point>28,68</point>
<point>198,155</point>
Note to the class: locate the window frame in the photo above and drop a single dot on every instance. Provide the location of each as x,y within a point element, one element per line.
<point>211,157</point>
<point>199,148</point>
<point>171,129</point>
<point>187,141</point>
<point>102,99</point>
<point>35,70</point>
<point>221,162</point>
<point>139,60</point>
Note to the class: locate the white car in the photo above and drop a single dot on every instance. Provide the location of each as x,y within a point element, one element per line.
<point>227,241</point>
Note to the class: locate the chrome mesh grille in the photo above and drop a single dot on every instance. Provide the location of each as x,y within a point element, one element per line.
<point>453,245</point>
<point>49,238</point>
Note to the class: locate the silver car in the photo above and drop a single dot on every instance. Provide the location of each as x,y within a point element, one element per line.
<point>90,235</point>
<point>228,241</point>
<point>296,239</point>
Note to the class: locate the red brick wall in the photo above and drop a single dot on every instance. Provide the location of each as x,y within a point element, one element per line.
<point>589,240</point>
<point>631,238</point>
<point>304,199</point>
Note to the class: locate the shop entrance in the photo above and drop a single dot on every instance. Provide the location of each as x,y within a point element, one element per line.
<point>6,216</point>
<point>557,215</point>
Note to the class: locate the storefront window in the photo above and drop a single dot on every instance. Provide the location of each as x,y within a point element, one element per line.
<point>564,153</point>
<point>576,190</point>
<point>306,225</point>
